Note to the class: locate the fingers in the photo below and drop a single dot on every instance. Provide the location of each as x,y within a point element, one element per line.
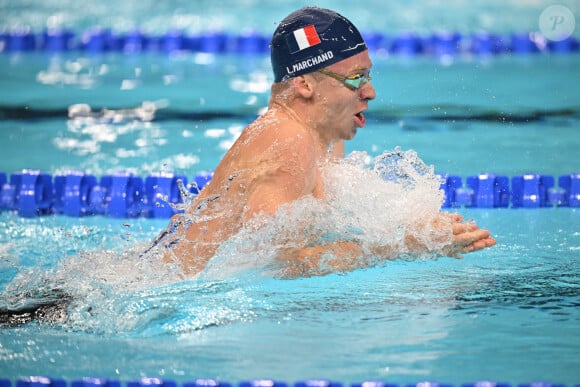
<point>467,237</point>
<point>479,245</point>
<point>483,243</point>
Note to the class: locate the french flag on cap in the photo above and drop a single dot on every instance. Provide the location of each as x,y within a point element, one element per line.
<point>303,38</point>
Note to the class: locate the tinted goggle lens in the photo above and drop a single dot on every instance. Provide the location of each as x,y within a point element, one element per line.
<point>357,81</point>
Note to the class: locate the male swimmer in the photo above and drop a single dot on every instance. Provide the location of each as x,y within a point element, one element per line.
<point>319,97</point>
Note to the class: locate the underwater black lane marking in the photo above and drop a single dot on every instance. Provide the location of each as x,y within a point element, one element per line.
<point>26,113</point>
<point>448,113</point>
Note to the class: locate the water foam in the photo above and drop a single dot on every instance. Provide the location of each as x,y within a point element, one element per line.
<point>122,290</point>
<point>377,206</point>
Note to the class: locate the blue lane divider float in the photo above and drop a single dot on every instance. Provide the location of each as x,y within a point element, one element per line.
<point>526,191</point>
<point>100,40</point>
<point>120,195</point>
<point>35,381</point>
<point>123,195</point>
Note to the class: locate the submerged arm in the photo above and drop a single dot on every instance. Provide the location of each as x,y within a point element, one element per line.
<point>342,256</point>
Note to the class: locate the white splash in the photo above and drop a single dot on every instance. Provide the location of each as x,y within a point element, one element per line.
<point>379,206</point>
<point>126,291</point>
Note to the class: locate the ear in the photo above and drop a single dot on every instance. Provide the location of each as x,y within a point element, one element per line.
<point>304,86</point>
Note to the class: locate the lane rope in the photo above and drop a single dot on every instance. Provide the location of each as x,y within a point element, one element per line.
<point>31,193</point>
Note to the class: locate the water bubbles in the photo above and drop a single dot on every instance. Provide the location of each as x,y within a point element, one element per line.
<point>375,204</point>
<point>369,202</point>
<point>187,197</point>
<point>82,114</point>
<point>402,167</point>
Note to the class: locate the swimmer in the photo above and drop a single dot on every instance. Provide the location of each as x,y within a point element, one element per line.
<point>322,88</point>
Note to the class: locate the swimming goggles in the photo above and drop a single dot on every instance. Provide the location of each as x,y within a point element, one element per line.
<point>354,81</point>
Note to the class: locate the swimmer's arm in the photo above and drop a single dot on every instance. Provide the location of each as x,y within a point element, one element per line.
<point>337,256</point>
<point>343,256</point>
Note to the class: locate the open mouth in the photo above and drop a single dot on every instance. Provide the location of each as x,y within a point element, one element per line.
<point>360,119</point>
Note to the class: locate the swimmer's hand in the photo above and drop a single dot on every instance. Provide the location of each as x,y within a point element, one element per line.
<point>467,237</point>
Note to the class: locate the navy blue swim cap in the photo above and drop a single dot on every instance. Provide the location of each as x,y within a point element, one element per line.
<point>310,39</point>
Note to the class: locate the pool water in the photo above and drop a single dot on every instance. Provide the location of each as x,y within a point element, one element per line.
<point>509,313</point>
<point>508,115</point>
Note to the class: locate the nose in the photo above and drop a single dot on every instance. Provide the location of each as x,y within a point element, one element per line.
<point>367,92</point>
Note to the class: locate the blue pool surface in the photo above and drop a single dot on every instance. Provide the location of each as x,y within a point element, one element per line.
<point>444,320</point>
<point>507,314</point>
<point>509,115</point>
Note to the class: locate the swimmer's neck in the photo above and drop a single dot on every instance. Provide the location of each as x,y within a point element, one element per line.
<point>288,111</point>
<point>280,108</point>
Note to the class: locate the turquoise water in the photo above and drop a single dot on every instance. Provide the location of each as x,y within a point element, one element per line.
<point>509,313</point>
<point>509,115</point>
<point>388,17</point>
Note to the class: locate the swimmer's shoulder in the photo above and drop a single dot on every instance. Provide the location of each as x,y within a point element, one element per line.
<point>268,144</point>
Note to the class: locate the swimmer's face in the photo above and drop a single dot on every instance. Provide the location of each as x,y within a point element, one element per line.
<point>343,107</point>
